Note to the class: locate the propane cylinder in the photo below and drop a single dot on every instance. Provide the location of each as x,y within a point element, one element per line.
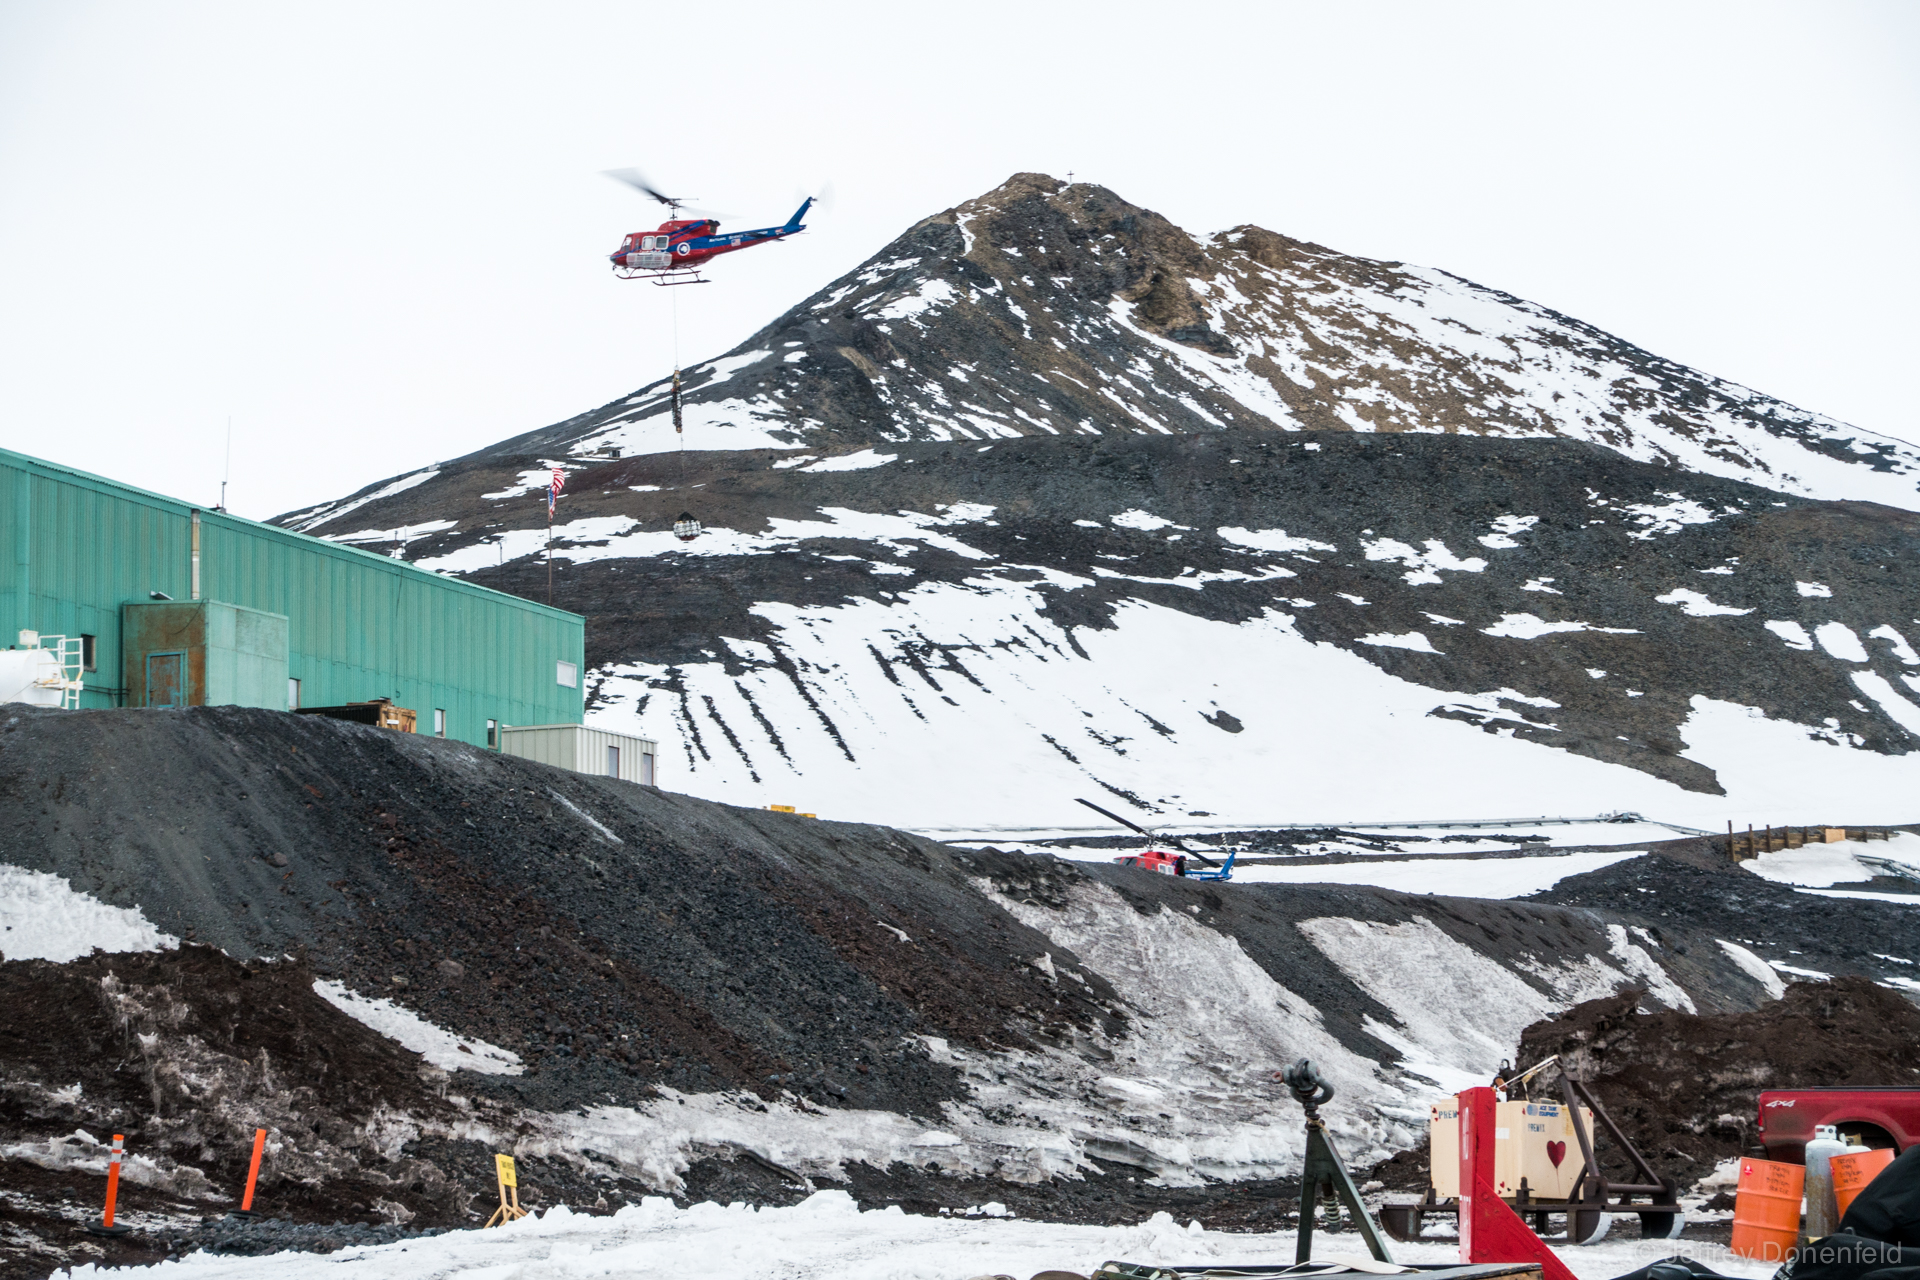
<point>1823,1213</point>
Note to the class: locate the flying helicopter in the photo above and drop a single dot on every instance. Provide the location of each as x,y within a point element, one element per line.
<point>674,252</point>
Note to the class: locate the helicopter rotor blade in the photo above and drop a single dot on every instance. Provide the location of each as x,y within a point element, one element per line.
<point>1175,841</point>
<point>638,181</point>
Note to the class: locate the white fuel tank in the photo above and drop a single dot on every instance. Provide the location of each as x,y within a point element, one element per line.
<point>32,676</point>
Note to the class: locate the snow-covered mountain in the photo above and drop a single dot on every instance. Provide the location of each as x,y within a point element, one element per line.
<point>1050,495</point>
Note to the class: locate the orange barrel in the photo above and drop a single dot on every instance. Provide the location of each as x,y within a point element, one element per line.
<point>1766,1209</point>
<point>1853,1171</point>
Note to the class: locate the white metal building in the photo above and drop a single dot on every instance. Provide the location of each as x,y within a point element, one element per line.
<point>582,749</point>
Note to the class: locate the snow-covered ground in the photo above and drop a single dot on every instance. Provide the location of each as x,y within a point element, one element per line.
<point>1464,877</point>
<point>1030,724</point>
<point>1820,866</point>
<point>1459,835</point>
<point>827,1237</point>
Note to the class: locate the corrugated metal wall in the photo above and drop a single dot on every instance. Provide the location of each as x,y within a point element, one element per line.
<point>361,626</point>
<point>583,749</point>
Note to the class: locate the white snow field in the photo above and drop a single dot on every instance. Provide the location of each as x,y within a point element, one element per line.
<point>1462,878</point>
<point>827,1237</point>
<point>1041,714</point>
<point>1820,866</point>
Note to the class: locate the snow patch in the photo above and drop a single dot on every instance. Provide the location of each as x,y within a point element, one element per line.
<point>1695,605</point>
<point>860,461</point>
<point>435,1043</point>
<point>42,917</point>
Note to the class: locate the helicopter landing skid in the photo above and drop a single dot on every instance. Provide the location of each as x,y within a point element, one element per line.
<point>690,276</point>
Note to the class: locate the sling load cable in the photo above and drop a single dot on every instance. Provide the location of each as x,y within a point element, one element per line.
<point>686,528</point>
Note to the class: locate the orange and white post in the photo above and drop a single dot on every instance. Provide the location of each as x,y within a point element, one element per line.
<point>253,1170</point>
<point>105,1226</point>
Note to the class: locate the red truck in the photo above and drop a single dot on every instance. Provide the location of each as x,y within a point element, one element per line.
<point>1879,1117</point>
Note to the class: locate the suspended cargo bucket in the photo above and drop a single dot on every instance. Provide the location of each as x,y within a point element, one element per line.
<point>686,528</point>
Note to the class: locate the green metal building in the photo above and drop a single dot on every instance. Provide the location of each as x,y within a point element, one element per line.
<point>174,605</point>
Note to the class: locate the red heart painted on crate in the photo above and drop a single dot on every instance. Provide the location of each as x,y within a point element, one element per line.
<point>1556,1152</point>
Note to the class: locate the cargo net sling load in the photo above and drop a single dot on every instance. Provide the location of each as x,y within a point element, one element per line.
<point>673,254</point>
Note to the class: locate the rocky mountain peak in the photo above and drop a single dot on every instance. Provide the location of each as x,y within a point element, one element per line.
<point>1055,487</point>
<point>1043,308</point>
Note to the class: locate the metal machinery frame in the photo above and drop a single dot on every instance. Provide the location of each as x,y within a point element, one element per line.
<point>1595,1197</point>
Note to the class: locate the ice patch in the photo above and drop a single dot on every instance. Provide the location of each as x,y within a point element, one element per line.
<point>1839,640</point>
<point>1414,640</point>
<point>1270,540</point>
<point>1638,964</point>
<point>333,511</point>
<point>436,1044</point>
<point>1821,866</point>
<point>1695,605</point>
<point>1423,567</point>
<point>1792,632</point>
<point>1505,528</point>
<point>42,917</point>
<point>854,461</point>
<point>1526,626</point>
<point>1459,1012</point>
<point>1754,967</point>
<point>1899,709</point>
<point>1145,521</point>
<point>1497,878</point>
<point>934,293</point>
<point>1816,590</point>
<point>1901,649</point>
<point>1670,518</point>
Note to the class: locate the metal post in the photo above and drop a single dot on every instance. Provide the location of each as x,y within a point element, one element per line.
<point>1324,1167</point>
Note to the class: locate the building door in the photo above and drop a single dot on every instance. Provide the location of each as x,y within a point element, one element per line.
<point>166,680</point>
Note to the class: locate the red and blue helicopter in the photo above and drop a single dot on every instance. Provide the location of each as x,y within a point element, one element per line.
<point>674,252</point>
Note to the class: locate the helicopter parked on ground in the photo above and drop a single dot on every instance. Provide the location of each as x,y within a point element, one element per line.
<point>1170,864</point>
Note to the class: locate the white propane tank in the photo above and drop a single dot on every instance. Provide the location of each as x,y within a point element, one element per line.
<point>32,676</point>
<point>1823,1213</point>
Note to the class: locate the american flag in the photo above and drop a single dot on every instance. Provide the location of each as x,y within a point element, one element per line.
<point>559,483</point>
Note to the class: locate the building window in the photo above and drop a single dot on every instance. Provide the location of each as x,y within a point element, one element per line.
<point>493,735</point>
<point>646,768</point>
<point>439,722</point>
<point>567,675</point>
<point>293,694</point>
<point>613,762</point>
<point>87,662</point>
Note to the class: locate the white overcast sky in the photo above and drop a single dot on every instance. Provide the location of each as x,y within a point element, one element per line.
<point>374,235</point>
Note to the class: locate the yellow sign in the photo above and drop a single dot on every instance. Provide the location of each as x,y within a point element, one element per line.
<point>509,1193</point>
